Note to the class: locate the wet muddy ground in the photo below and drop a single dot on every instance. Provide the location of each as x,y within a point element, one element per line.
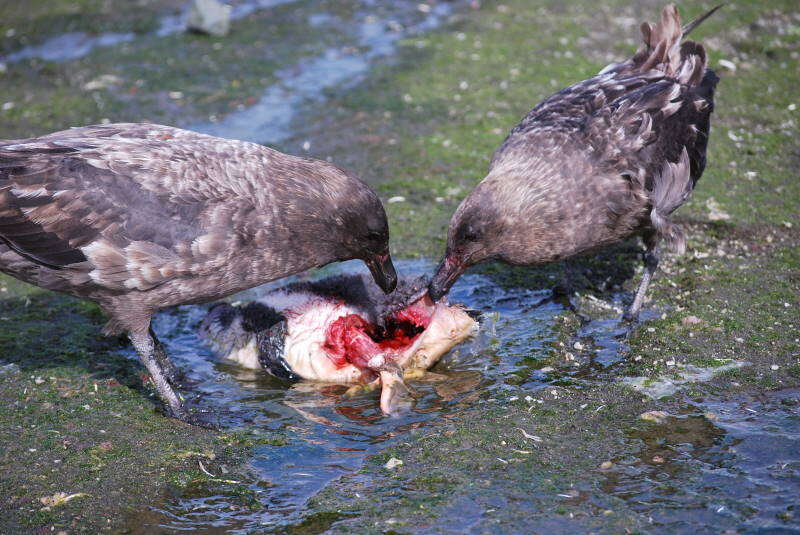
<point>326,436</point>
<point>713,464</point>
<point>556,418</point>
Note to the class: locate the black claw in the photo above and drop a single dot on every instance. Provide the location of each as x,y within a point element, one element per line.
<point>191,418</point>
<point>562,290</point>
<point>474,314</point>
<point>633,319</point>
<point>179,413</point>
<point>199,421</point>
<point>182,382</point>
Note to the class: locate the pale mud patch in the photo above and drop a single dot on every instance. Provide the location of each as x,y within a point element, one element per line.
<point>681,376</point>
<point>722,466</point>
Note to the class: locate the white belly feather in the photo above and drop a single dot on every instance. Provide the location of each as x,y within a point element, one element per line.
<point>308,319</point>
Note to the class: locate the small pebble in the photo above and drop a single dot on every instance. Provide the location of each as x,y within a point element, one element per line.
<point>653,416</point>
<point>691,320</point>
<point>774,367</point>
<point>393,463</point>
<point>606,465</point>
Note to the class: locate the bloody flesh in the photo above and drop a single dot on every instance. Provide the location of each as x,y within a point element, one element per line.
<point>353,340</point>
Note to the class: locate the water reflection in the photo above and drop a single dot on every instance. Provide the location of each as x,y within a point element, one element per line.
<point>376,33</point>
<point>74,45</point>
<point>725,467</point>
<point>327,434</point>
<point>717,467</point>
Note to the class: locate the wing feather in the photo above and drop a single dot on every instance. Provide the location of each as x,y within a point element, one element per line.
<point>128,203</point>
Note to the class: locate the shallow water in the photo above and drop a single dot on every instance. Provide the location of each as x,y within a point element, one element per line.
<point>722,465</point>
<point>328,436</point>
<point>376,33</point>
<point>719,465</point>
<point>725,465</point>
<point>74,45</point>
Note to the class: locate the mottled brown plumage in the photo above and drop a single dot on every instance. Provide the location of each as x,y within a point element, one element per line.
<point>597,162</point>
<point>138,217</point>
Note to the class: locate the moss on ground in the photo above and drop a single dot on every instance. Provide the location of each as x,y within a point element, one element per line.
<point>423,128</point>
<point>79,419</point>
<point>179,79</point>
<point>427,129</point>
<point>33,21</point>
<point>505,464</point>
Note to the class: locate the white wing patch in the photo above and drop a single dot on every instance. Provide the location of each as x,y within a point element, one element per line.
<point>308,318</point>
<point>139,266</point>
<point>304,343</point>
<point>246,356</point>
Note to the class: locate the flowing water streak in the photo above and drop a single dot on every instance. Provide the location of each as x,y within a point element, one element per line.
<point>728,464</point>
<point>329,437</point>
<point>74,45</point>
<point>269,120</point>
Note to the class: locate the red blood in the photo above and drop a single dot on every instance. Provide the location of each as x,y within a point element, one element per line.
<point>347,341</point>
<point>352,339</point>
<point>418,314</point>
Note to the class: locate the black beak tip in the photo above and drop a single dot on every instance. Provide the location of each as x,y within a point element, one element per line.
<point>383,273</point>
<point>435,292</point>
<point>390,283</point>
<point>446,275</point>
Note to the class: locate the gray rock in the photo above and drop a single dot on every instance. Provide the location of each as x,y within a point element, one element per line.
<point>209,16</point>
<point>594,308</point>
<point>104,81</point>
<point>9,369</point>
